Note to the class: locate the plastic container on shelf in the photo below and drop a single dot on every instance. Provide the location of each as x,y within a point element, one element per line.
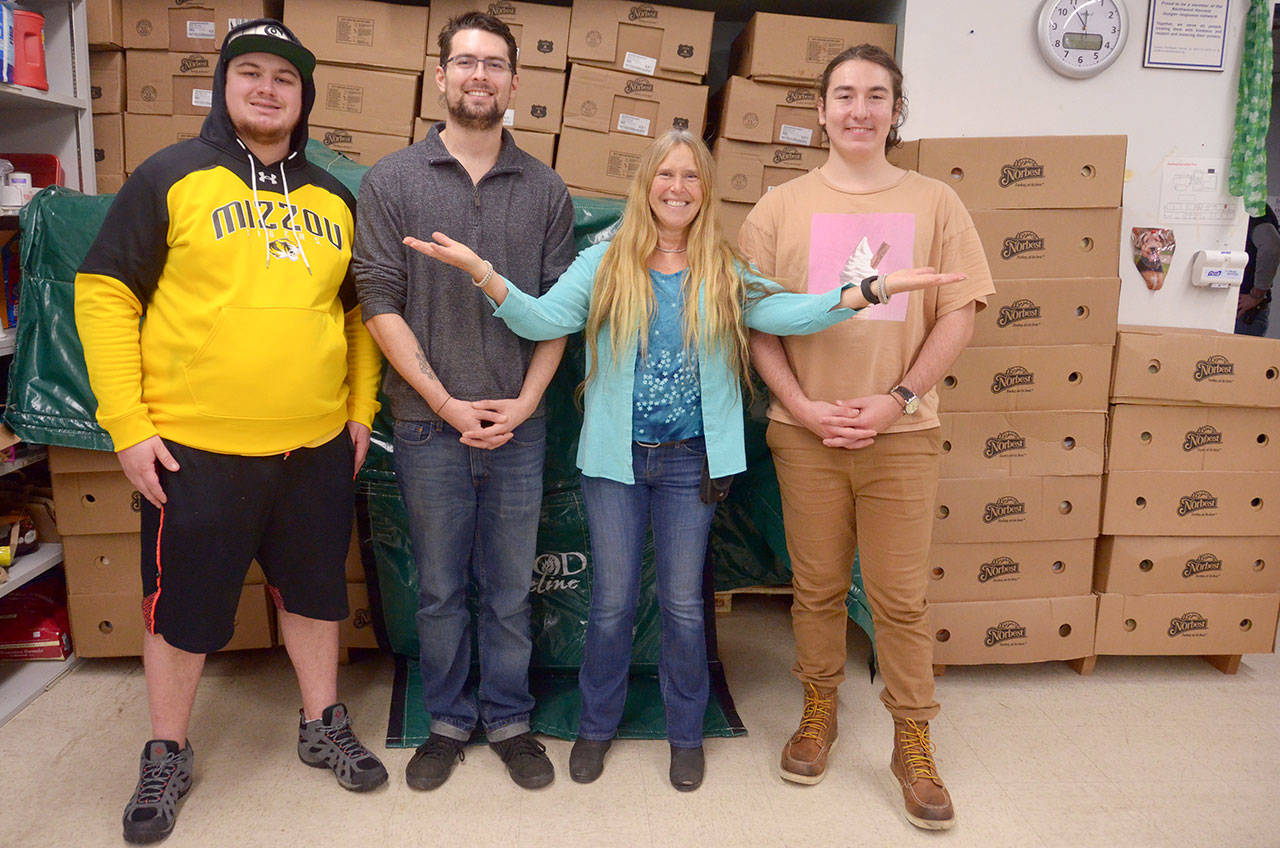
<point>28,50</point>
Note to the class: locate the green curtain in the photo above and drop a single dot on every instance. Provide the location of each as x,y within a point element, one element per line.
<point>1253,111</point>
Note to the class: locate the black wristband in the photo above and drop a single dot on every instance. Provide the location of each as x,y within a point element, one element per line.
<point>868,293</point>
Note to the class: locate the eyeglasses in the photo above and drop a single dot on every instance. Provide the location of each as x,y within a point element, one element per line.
<point>467,64</point>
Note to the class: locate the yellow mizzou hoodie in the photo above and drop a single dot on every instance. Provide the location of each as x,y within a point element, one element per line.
<point>215,306</point>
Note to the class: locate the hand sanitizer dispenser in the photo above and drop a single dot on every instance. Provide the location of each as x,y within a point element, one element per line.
<point>1218,269</point>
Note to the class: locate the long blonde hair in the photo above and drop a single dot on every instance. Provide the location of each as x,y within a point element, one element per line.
<point>622,295</point>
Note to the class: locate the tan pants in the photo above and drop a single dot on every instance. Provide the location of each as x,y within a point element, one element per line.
<point>879,502</point>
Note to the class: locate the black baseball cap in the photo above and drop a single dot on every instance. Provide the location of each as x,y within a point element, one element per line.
<point>265,35</point>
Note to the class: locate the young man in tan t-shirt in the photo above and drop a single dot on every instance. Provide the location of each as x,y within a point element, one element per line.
<point>854,429</point>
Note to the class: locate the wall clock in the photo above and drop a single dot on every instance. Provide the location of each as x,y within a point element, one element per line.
<point>1080,38</point>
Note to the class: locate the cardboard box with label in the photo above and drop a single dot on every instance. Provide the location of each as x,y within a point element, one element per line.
<point>108,143</point>
<point>1029,172</point>
<point>361,32</point>
<point>166,83</point>
<point>1148,565</point>
<point>1191,503</point>
<point>608,101</point>
<point>365,148</point>
<point>1193,438</point>
<point>536,105</point>
<point>368,101</point>
<point>1050,377</point>
<point>795,49</point>
<point>1026,244</point>
<point>541,31</point>
<point>768,114</point>
<point>186,26</point>
<point>148,134</point>
<point>1013,631</point>
<point>110,624</point>
<point>1022,444</point>
<point>357,630</point>
<point>603,162</point>
<point>1199,625</point>
<point>106,81</point>
<point>746,171</point>
<point>1016,509</point>
<point>1049,312</point>
<point>105,23</point>
<point>1004,570</point>
<point>641,38</point>
<point>1173,365</point>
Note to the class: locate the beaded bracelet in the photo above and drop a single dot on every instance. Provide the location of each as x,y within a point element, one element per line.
<point>487,274</point>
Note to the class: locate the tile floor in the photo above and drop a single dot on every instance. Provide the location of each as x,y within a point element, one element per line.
<point>1145,752</point>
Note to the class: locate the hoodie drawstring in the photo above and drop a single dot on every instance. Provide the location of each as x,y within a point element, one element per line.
<point>293,231</point>
<point>257,208</point>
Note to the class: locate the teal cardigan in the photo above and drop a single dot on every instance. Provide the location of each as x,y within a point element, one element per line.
<point>604,447</point>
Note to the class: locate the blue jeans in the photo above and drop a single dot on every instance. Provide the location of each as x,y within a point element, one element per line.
<point>665,495</point>
<point>473,516</point>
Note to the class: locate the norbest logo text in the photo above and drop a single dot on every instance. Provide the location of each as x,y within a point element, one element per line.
<point>1197,501</point>
<point>1003,632</point>
<point>801,95</point>
<point>1190,621</point>
<point>998,567</point>
<point>635,85</point>
<point>1201,564</point>
<point>558,572</point>
<point>1215,366</point>
<point>641,13</point>
<point>336,137</point>
<point>1019,310</point>
<point>1021,170</point>
<point>1024,242</point>
<point>1201,437</point>
<point>786,154</point>
<point>1004,442</point>
<point>1011,377</point>
<point>193,62</point>
<point>1004,507</point>
<point>500,9</point>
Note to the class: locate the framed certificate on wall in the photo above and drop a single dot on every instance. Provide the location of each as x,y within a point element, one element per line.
<point>1189,35</point>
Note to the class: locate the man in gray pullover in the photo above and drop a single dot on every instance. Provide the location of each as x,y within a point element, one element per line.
<point>466,392</point>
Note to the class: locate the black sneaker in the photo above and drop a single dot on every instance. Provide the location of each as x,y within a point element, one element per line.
<point>526,760</point>
<point>433,762</point>
<point>328,742</point>
<point>164,777</point>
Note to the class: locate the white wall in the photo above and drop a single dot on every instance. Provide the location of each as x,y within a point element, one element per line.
<point>972,69</point>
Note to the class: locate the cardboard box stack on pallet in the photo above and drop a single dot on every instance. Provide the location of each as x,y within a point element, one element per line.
<point>1189,559</point>
<point>635,71</point>
<point>1024,407</point>
<point>767,113</point>
<point>107,91</point>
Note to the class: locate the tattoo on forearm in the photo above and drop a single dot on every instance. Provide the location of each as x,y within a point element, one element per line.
<point>426,367</point>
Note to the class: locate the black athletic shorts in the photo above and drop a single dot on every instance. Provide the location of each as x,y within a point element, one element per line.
<point>291,511</point>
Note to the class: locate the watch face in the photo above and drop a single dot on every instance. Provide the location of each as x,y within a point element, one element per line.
<point>912,405</point>
<point>1079,38</point>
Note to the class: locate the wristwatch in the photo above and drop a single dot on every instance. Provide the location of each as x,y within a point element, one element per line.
<point>910,400</point>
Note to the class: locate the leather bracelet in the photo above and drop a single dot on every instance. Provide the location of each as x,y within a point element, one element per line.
<point>868,293</point>
<point>487,274</point>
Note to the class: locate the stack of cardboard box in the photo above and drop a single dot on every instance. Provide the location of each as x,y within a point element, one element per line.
<point>1188,561</point>
<point>637,70</point>
<point>1024,407</point>
<point>106,92</point>
<point>767,113</point>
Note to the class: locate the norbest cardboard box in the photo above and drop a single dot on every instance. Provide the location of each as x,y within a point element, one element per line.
<point>1191,503</point>
<point>186,26</point>
<point>1029,172</point>
<point>607,101</point>
<point>360,32</point>
<point>1016,509</point>
<point>357,630</point>
<point>604,162</point>
<point>1036,243</point>
<point>105,23</point>
<point>1193,438</point>
<point>365,148</point>
<point>162,83</point>
<point>1200,625</point>
<point>148,134</point>
<point>536,104</point>
<point>106,81</point>
<point>1022,444</point>
<point>368,101</point>
<point>541,31</point>
<point>732,215</point>
<point>746,171</point>
<point>1148,565</point>
<point>91,493</point>
<point>768,114</point>
<point>795,50</point>
<point>906,155</point>
<point>108,143</point>
<point>1005,570</point>
<point>1052,377</point>
<point>1013,631</point>
<point>110,624</point>
<point>1049,312</point>
<point>1171,365</point>
<point>641,38</point>
<point>104,563</point>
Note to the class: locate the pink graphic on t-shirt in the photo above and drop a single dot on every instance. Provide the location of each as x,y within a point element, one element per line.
<point>833,236</point>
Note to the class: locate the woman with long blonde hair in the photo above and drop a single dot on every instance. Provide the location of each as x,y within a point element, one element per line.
<point>666,305</point>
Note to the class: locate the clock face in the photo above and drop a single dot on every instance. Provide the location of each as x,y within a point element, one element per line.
<point>1079,38</point>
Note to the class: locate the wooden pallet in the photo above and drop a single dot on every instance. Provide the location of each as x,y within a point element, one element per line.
<point>1082,666</point>
<point>724,600</point>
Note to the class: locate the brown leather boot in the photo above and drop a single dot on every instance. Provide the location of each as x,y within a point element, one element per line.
<point>804,757</point>
<point>927,802</point>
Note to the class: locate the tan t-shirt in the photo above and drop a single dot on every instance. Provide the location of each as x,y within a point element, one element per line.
<point>801,234</point>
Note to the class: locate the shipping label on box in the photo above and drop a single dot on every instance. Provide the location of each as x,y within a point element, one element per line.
<point>365,148</point>
<point>1016,509</point>
<point>1148,565</point>
<point>1191,503</point>
<point>745,172</point>
<point>1005,570</point>
<point>1199,625</point>
<point>1029,172</point>
<point>769,114</point>
<point>795,49</point>
<point>1049,312</point>
<point>1170,365</point>
<point>183,25</point>
<point>641,38</point>
<point>541,32</point>
<point>170,83</point>
<point>368,101</point>
<point>603,101</point>
<point>604,162</point>
<point>361,32</point>
<point>1035,243</point>
<point>536,105</point>
<point>1022,444</point>
<point>105,23</point>
<point>111,625</point>
<point>1052,377</point>
<point>357,630</point>
<point>108,143</point>
<point>106,81</point>
<point>1013,631</point>
<point>148,134</point>
<point>1193,438</point>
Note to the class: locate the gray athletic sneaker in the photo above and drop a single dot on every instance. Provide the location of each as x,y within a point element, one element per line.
<point>328,742</point>
<point>164,777</point>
